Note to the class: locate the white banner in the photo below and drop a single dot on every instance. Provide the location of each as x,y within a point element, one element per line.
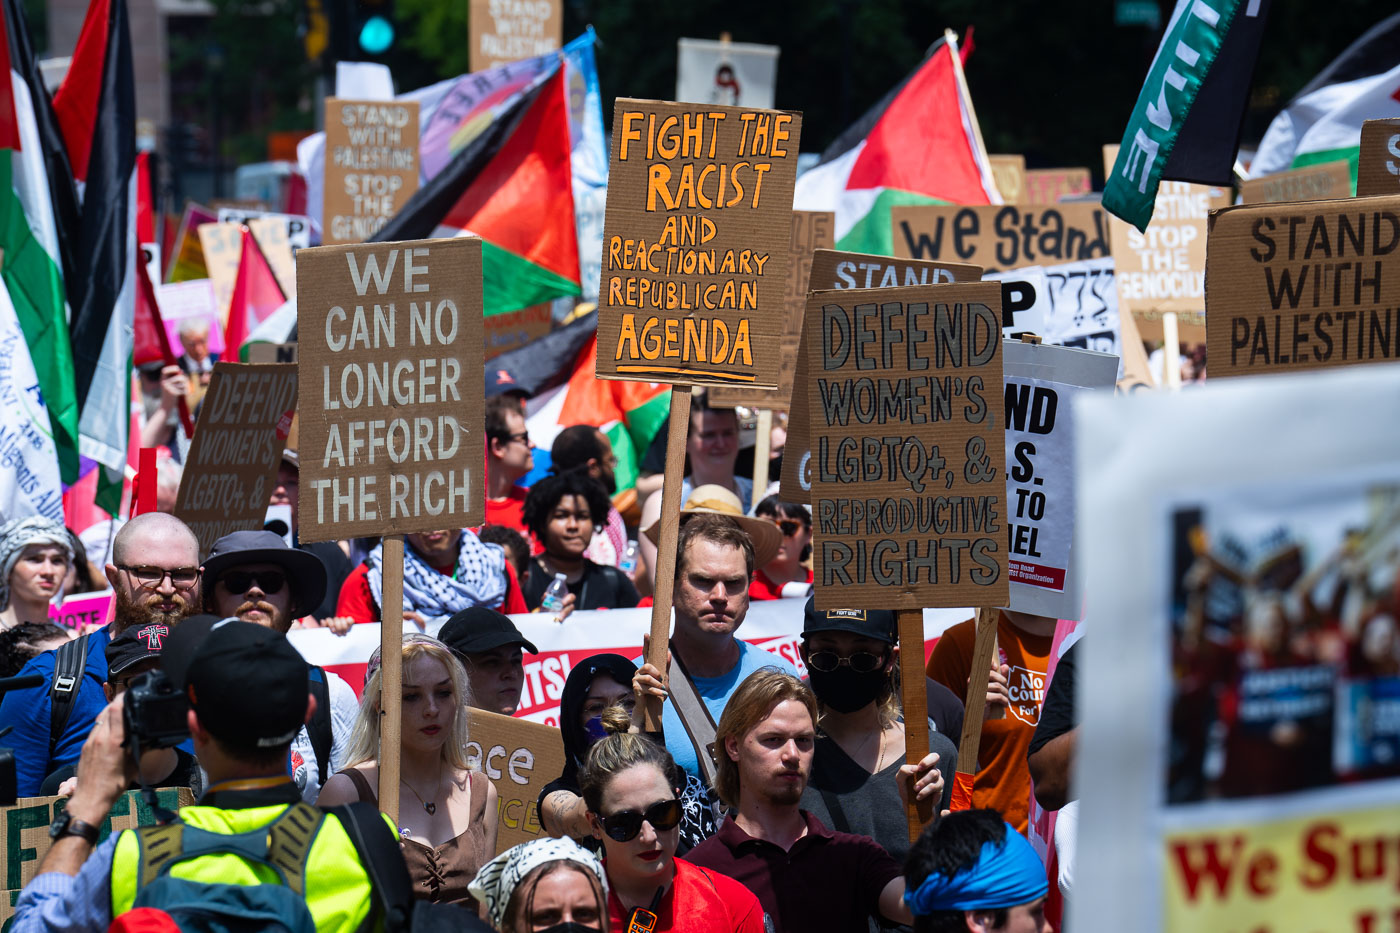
<point>733,74</point>
<point>29,482</point>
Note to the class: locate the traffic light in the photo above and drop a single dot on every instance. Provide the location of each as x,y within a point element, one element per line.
<point>374,26</point>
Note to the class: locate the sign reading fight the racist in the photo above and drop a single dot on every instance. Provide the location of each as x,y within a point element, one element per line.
<point>371,165</point>
<point>908,447</point>
<point>238,442</point>
<point>695,244</point>
<point>504,31</point>
<point>390,351</point>
<point>1378,168</point>
<point>520,758</point>
<point>1001,237</point>
<point>811,230</point>
<point>1303,286</point>
<point>1315,183</point>
<point>846,270</point>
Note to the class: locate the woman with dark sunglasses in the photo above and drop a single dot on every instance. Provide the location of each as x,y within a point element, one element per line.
<point>628,786</point>
<point>785,576</point>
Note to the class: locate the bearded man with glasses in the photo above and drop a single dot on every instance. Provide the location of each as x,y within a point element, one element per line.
<point>255,577</point>
<point>155,574</point>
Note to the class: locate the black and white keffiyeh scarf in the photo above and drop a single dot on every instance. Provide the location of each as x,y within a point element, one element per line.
<point>478,580</point>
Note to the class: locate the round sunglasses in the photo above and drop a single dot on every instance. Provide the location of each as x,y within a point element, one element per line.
<point>862,662</point>
<point>624,825</point>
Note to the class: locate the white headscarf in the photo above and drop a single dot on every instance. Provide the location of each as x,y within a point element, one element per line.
<point>19,533</point>
<point>498,878</point>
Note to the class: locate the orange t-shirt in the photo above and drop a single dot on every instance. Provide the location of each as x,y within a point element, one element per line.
<point>1003,781</point>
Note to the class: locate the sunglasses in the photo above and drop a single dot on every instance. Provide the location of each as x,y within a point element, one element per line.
<point>241,581</point>
<point>151,577</point>
<point>624,825</point>
<point>862,662</point>
<point>788,527</point>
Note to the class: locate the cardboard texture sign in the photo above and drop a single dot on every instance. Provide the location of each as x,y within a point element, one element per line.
<point>1323,182</point>
<point>371,166</point>
<point>695,244</point>
<point>271,234</point>
<point>1049,185</point>
<point>1303,286</point>
<point>520,758</point>
<point>1001,237</point>
<point>187,259</point>
<point>811,230</point>
<point>505,31</point>
<point>1009,172</point>
<point>1378,171</point>
<point>846,270</point>
<point>391,388</point>
<point>908,448</point>
<point>517,328</point>
<point>238,442</point>
<point>223,250</point>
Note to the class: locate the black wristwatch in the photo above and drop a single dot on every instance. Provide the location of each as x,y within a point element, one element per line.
<point>65,825</point>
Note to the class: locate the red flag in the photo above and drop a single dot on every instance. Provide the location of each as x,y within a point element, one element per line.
<point>256,295</point>
<point>76,100</point>
<point>9,121</point>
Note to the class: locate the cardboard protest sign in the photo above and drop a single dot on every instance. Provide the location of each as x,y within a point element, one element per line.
<point>272,353</point>
<point>1009,172</point>
<point>517,328</point>
<point>187,257</point>
<point>223,250</point>
<point>1041,384</point>
<point>371,166</point>
<point>1303,286</point>
<point>271,236</point>
<point>391,390</point>
<point>811,230</point>
<point>1378,168</point>
<point>841,269</point>
<point>1217,737</point>
<point>505,31</point>
<point>83,609</point>
<point>1323,182</point>
<point>908,448</point>
<point>298,226</point>
<point>238,442</point>
<point>1001,237</point>
<point>696,241</point>
<point>1049,185</point>
<point>520,758</point>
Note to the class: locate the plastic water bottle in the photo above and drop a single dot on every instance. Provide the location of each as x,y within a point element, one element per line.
<point>628,564</point>
<point>554,596</point>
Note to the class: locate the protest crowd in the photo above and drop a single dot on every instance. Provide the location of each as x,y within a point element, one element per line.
<point>563,544</point>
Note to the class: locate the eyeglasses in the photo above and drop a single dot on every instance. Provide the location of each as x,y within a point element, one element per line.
<point>624,826</point>
<point>789,527</point>
<point>241,581</point>
<point>523,437</point>
<point>150,578</point>
<point>862,662</point>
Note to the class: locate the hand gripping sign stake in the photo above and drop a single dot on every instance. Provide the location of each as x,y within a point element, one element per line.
<point>914,696</point>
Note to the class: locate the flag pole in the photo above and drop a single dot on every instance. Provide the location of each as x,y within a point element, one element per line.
<point>952,40</point>
<point>762,449</point>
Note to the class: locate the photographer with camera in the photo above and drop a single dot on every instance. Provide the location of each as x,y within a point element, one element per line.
<point>244,694</point>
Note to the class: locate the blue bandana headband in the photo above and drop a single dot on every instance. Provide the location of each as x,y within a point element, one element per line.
<point>1007,873</point>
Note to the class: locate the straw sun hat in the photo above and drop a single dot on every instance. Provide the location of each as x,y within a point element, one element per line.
<point>716,500</point>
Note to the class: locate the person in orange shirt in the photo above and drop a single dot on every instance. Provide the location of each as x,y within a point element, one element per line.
<point>1003,781</point>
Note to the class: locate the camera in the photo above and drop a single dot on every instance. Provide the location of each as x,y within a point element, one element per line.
<point>155,712</point>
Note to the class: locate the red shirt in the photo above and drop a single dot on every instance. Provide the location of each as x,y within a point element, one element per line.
<point>508,511</point>
<point>700,901</point>
<point>764,588</point>
<point>357,602</point>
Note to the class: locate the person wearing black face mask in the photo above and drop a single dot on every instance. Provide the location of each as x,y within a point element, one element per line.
<point>851,657</point>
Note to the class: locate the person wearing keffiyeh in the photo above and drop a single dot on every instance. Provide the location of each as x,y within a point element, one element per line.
<point>35,556</point>
<point>509,883</point>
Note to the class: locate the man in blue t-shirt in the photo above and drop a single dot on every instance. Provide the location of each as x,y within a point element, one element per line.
<point>714,563</point>
<point>154,573</point>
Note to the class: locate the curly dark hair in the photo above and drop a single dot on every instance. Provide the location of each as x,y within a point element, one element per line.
<point>773,507</point>
<point>544,496</point>
<point>20,643</point>
<point>950,845</point>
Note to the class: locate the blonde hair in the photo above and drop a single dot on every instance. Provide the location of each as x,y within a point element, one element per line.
<point>753,702</point>
<point>364,737</point>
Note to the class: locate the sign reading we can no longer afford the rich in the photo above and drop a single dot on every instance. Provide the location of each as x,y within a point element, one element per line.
<point>696,238</point>
<point>390,355</point>
<point>908,454</point>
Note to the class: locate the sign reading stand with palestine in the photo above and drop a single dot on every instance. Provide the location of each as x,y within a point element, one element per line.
<point>1303,286</point>
<point>695,244</point>
<point>390,355</point>
<point>371,165</point>
<point>908,458</point>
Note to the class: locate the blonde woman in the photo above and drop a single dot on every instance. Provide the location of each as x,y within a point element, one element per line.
<point>447,813</point>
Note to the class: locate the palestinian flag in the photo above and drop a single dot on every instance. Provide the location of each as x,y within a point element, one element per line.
<point>511,186</point>
<point>1323,122</point>
<point>256,295</point>
<point>919,145</point>
<point>31,247</point>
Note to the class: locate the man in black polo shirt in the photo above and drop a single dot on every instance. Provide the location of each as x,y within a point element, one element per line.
<point>806,876</point>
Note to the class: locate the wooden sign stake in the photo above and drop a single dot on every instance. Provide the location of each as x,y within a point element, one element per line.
<point>913,688</point>
<point>976,707</point>
<point>762,450</point>
<point>666,548</point>
<point>391,677</point>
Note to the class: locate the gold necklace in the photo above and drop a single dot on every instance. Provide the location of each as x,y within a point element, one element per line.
<point>430,806</point>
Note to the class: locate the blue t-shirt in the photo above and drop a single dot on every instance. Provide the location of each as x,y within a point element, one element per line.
<point>28,711</point>
<point>715,693</point>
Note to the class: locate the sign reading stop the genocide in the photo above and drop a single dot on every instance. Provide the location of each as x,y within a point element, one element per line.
<point>695,244</point>
<point>390,354</point>
<point>371,165</point>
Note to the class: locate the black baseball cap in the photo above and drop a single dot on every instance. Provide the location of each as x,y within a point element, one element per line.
<point>141,643</point>
<point>480,629</point>
<point>245,681</point>
<point>871,623</point>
